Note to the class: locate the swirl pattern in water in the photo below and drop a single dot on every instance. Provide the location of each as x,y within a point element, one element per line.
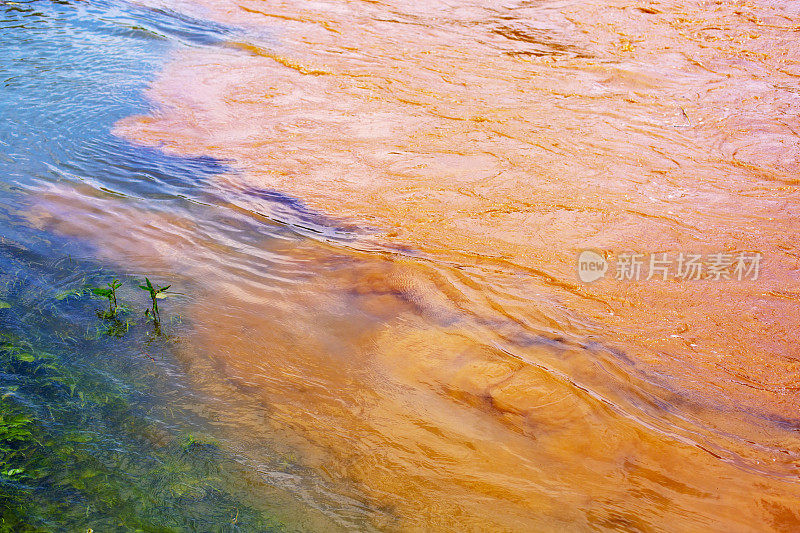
<point>374,213</point>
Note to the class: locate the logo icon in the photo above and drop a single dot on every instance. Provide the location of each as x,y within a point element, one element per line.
<point>591,266</point>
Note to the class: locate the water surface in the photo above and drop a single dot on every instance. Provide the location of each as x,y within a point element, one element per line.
<point>374,210</point>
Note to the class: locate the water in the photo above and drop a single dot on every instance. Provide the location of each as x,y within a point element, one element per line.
<point>373,212</point>
<point>120,442</point>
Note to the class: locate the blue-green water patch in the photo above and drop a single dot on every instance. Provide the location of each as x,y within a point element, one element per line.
<point>79,445</point>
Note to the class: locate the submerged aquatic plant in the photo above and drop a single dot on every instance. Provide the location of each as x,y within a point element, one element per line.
<point>114,325</point>
<point>116,328</point>
<point>109,292</point>
<point>81,448</point>
<point>76,455</point>
<point>156,293</point>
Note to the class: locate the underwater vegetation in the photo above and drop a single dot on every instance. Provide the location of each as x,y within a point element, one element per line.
<point>109,292</point>
<point>115,326</point>
<point>155,293</point>
<point>78,451</point>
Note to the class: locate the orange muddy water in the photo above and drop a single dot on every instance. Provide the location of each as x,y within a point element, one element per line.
<point>444,368</point>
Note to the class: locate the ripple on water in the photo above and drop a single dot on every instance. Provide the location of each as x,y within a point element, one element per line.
<point>382,270</point>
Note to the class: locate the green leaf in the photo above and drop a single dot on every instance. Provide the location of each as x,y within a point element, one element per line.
<point>25,357</point>
<point>4,305</point>
<point>77,293</point>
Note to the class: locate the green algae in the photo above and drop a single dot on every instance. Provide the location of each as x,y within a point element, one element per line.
<point>79,448</point>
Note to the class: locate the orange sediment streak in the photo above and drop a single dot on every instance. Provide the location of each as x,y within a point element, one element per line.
<point>446,139</point>
<point>392,386</point>
<point>498,142</point>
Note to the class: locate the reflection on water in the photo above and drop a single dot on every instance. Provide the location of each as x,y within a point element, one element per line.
<point>380,275</point>
<point>673,130</point>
